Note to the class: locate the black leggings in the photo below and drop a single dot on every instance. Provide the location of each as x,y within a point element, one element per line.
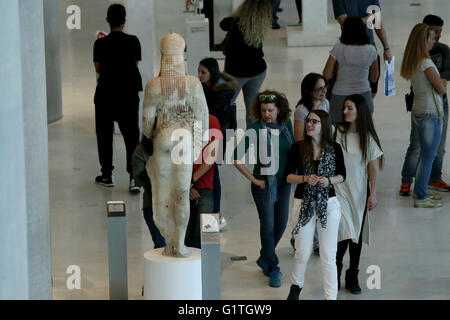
<point>354,248</point>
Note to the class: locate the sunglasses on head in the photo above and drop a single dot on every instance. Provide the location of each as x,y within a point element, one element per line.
<point>267,97</point>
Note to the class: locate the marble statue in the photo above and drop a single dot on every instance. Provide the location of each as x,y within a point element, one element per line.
<point>174,102</point>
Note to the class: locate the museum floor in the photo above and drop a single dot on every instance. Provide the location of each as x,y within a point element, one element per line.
<point>410,246</point>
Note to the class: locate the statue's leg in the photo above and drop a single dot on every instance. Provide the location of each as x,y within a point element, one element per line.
<point>159,169</point>
<point>180,204</point>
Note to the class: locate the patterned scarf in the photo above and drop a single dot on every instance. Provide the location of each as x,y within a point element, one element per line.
<point>266,134</point>
<point>316,197</point>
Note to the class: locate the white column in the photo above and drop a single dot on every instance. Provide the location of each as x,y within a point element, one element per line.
<point>25,252</point>
<point>141,23</point>
<point>52,60</point>
<point>315,15</point>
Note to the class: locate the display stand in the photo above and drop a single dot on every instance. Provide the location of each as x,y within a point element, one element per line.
<point>197,41</point>
<point>117,250</point>
<point>211,276</point>
<point>170,278</point>
<point>315,30</point>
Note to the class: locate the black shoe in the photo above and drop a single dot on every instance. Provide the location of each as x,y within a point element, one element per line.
<point>275,26</point>
<point>351,281</point>
<point>280,10</point>
<point>106,181</point>
<point>294,294</point>
<point>133,188</point>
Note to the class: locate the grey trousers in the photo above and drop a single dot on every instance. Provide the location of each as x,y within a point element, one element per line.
<point>250,88</point>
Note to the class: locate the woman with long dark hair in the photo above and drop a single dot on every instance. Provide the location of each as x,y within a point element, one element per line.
<point>363,158</point>
<point>219,90</point>
<point>357,64</point>
<point>313,90</point>
<point>244,57</point>
<point>316,165</point>
<point>273,137</point>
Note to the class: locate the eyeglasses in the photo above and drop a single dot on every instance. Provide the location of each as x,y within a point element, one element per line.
<point>268,97</point>
<point>313,121</point>
<point>320,89</point>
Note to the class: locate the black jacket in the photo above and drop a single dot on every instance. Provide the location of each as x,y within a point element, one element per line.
<point>241,60</point>
<point>219,100</point>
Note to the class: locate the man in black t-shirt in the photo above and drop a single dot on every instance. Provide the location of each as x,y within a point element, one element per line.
<point>116,59</point>
<point>440,54</point>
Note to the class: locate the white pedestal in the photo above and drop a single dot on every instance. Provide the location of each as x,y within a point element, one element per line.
<point>299,37</point>
<point>315,30</point>
<point>168,278</point>
<point>197,42</point>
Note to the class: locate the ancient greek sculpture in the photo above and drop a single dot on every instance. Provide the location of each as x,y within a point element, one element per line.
<point>174,101</point>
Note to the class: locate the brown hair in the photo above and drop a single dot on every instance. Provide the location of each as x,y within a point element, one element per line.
<point>416,50</point>
<point>282,104</point>
<point>325,136</point>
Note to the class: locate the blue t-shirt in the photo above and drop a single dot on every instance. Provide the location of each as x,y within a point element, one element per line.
<point>355,8</point>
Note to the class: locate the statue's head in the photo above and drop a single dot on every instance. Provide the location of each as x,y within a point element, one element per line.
<point>172,44</point>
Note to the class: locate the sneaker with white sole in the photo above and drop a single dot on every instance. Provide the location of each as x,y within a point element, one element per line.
<point>433,196</point>
<point>106,181</point>
<point>427,203</point>
<point>133,188</point>
<point>440,185</point>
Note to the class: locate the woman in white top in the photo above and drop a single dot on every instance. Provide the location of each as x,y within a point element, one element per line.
<point>427,110</point>
<point>313,90</point>
<point>357,64</point>
<point>363,157</point>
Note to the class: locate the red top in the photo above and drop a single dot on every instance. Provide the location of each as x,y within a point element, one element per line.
<point>206,181</point>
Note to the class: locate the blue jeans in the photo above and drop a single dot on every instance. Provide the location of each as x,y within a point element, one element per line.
<point>429,131</point>
<point>273,217</point>
<point>158,239</point>
<point>250,88</point>
<point>412,155</point>
<point>217,189</point>
<point>275,5</point>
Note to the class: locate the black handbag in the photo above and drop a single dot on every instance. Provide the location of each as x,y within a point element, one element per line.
<point>409,99</point>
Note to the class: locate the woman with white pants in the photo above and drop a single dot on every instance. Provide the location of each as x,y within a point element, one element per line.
<point>316,164</point>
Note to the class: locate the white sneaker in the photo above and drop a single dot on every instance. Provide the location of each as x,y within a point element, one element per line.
<point>222,223</point>
<point>427,203</point>
<point>133,188</point>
